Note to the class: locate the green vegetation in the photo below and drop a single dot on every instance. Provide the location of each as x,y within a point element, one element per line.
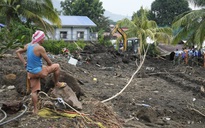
<point>142,28</point>
<point>22,18</point>
<point>29,12</point>
<point>56,47</point>
<point>163,12</point>
<point>104,40</point>
<point>17,36</point>
<point>191,26</point>
<point>153,51</point>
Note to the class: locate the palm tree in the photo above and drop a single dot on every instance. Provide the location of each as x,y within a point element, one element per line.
<point>30,11</point>
<point>191,25</point>
<point>142,28</point>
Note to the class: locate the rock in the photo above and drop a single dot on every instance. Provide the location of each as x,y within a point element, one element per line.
<point>9,79</point>
<point>11,87</point>
<point>70,80</point>
<point>147,114</point>
<point>125,60</point>
<point>67,95</point>
<point>7,55</point>
<point>48,83</point>
<point>21,82</point>
<point>12,107</point>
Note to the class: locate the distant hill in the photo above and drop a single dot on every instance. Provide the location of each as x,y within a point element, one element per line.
<point>115,17</point>
<point>110,15</point>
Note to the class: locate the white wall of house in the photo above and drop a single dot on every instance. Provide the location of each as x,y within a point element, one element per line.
<point>72,34</point>
<point>76,34</point>
<point>58,30</point>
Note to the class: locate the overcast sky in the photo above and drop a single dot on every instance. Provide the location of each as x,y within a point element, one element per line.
<point>122,7</point>
<point>125,7</point>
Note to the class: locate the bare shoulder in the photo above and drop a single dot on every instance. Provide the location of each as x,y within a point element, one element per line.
<point>21,50</point>
<point>40,48</point>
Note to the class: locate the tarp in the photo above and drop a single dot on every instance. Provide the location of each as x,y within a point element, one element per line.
<point>49,113</point>
<point>2,25</point>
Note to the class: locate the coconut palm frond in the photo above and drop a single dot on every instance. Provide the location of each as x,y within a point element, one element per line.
<point>150,33</point>
<point>52,18</point>
<point>200,34</point>
<point>124,22</point>
<point>151,24</point>
<point>30,10</point>
<point>190,17</point>
<point>132,32</point>
<point>163,38</point>
<point>45,10</point>
<point>45,25</point>
<point>166,30</point>
<point>179,36</point>
<point>191,28</point>
<point>180,16</point>
<point>142,28</point>
<point>38,21</point>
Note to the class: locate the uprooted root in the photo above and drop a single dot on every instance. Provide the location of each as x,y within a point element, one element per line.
<point>106,116</point>
<point>94,115</point>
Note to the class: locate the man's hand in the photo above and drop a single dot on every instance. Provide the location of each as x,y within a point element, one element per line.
<point>25,64</point>
<point>19,54</point>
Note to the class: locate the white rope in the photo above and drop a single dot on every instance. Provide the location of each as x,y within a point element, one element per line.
<point>60,100</point>
<point>16,116</point>
<point>139,67</point>
<point>5,115</point>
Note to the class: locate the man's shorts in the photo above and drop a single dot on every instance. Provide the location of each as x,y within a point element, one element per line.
<point>34,79</point>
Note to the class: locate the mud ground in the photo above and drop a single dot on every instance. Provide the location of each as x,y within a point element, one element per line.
<point>160,95</point>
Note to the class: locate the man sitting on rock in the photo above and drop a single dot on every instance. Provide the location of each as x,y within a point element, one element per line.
<point>34,65</point>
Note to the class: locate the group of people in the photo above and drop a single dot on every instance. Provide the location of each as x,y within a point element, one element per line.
<point>189,56</point>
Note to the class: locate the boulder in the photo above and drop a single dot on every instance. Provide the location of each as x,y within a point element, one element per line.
<point>9,79</point>
<point>12,107</point>
<point>67,95</point>
<point>48,83</point>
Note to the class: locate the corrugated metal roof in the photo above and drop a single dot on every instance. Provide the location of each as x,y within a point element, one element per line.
<point>76,21</point>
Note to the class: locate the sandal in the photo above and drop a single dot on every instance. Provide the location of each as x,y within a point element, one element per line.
<point>61,85</point>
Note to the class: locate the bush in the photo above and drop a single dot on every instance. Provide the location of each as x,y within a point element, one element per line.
<point>153,51</point>
<point>55,46</point>
<point>16,36</point>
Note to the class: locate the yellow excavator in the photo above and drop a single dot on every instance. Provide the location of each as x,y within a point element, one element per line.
<point>123,34</point>
<point>129,44</point>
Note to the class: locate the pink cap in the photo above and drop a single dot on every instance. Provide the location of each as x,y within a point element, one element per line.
<point>38,36</point>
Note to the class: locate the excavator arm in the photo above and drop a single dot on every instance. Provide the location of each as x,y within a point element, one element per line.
<point>123,34</point>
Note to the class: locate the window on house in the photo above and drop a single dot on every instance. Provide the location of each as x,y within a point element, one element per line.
<point>80,35</point>
<point>63,34</point>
